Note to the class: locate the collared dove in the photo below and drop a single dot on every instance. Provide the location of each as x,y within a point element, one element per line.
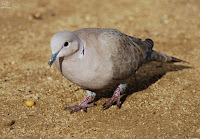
<point>97,58</point>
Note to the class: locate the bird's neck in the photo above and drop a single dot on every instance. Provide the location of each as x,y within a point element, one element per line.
<point>82,50</point>
<point>79,54</point>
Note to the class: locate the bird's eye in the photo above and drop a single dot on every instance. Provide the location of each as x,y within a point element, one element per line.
<point>66,44</point>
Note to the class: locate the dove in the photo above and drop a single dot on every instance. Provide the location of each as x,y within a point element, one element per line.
<point>99,58</point>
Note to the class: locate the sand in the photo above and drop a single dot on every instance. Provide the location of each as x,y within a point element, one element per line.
<point>162,102</point>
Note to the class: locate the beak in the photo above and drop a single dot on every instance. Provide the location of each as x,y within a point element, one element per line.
<point>53,58</point>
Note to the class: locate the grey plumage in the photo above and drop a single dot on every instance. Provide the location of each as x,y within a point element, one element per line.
<point>97,58</point>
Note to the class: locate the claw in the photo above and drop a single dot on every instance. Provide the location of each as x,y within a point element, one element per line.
<point>85,109</point>
<point>72,111</point>
<point>105,106</point>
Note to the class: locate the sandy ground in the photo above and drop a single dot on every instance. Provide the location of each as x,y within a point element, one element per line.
<point>162,102</point>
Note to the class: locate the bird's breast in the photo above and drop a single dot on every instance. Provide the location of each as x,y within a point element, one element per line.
<point>88,73</point>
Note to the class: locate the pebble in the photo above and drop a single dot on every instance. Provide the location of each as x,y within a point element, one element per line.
<point>36,97</point>
<point>29,103</point>
<point>36,16</point>
<point>10,123</point>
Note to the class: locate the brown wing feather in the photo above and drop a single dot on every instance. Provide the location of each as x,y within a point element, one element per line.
<point>127,53</point>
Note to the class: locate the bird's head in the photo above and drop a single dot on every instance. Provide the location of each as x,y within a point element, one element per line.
<point>64,44</point>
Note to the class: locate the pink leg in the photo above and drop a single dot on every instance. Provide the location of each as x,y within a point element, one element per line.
<point>120,89</point>
<point>84,104</point>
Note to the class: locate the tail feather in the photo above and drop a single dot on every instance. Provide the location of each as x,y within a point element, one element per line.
<point>152,55</point>
<point>157,56</point>
<point>149,44</point>
<point>150,41</point>
<point>177,60</point>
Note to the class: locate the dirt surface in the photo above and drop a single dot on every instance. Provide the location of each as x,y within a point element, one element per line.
<point>162,102</point>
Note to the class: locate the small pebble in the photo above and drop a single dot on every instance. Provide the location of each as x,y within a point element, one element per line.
<point>36,97</point>
<point>10,123</point>
<point>36,16</point>
<point>166,21</point>
<point>29,103</point>
<point>53,14</point>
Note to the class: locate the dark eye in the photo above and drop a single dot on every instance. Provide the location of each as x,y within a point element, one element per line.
<point>66,44</point>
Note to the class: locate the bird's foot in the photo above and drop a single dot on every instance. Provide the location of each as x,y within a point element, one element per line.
<point>116,94</point>
<point>84,104</point>
<point>79,107</point>
<point>120,89</point>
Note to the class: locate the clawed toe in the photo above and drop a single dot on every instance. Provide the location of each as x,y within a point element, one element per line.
<point>108,104</point>
<point>79,107</point>
<point>84,104</point>
<point>105,106</point>
<point>75,109</point>
<point>116,95</point>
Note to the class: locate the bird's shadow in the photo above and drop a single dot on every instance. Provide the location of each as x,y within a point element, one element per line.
<point>147,75</point>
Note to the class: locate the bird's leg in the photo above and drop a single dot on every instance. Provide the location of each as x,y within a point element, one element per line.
<point>84,104</point>
<point>120,89</point>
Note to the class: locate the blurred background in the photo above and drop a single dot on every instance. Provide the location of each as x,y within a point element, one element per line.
<point>164,101</point>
